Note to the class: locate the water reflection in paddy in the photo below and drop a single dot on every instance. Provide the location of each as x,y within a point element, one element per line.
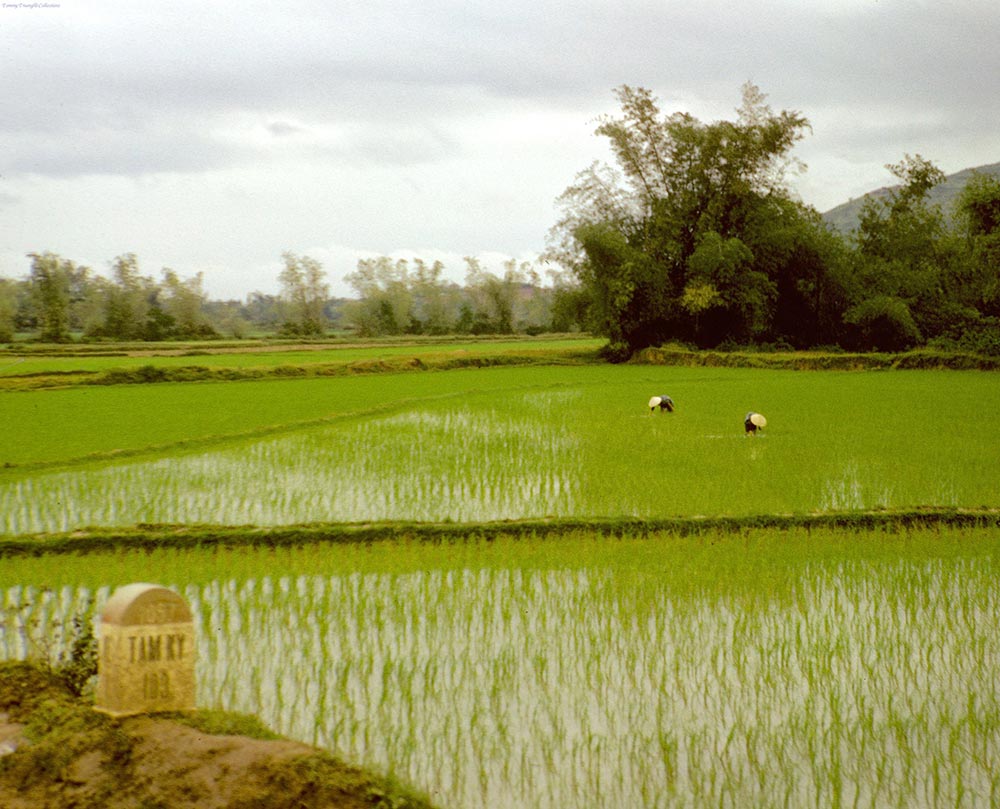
<point>538,688</point>
<point>452,464</point>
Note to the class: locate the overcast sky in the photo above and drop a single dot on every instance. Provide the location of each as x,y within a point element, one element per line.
<point>212,136</point>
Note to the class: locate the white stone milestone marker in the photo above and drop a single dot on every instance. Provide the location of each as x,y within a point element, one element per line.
<point>147,651</point>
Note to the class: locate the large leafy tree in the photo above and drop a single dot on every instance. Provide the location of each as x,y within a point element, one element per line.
<point>128,306</point>
<point>52,282</point>
<point>305,293</point>
<point>8,309</point>
<point>434,299</point>
<point>902,262</point>
<point>979,213</point>
<point>183,302</point>
<point>973,284</point>
<point>693,233</point>
<point>386,298</point>
<point>493,297</point>
<point>129,301</point>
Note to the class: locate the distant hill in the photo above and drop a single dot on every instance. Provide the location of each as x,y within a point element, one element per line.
<point>845,217</point>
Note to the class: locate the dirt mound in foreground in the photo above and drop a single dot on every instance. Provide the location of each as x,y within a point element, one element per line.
<point>56,751</point>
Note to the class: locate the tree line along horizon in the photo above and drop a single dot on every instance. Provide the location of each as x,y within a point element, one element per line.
<point>692,235</point>
<point>60,302</point>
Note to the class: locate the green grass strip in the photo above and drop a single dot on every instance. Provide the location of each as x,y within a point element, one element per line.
<point>151,373</point>
<point>921,359</point>
<point>151,537</point>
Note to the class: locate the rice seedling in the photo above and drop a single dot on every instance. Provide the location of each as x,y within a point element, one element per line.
<point>770,669</point>
<point>530,443</point>
<point>762,669</point>
<point>254,356</point>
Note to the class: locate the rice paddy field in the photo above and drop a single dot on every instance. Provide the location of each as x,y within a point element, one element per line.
<point>762,667</point>
<point>83,360</point>
<point>499,443</point>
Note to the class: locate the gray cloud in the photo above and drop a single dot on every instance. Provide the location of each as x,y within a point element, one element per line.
<point>455,122</point>
<point>114,151</point>
<point>386,63</point>
<point>281,129</point>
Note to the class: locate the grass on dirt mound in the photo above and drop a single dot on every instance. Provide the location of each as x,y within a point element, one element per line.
<point>56,750</point>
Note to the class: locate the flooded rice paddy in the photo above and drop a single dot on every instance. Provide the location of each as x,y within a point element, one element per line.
<point>834,682</point>
<point>857,669</point>
<point>560,453</point>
